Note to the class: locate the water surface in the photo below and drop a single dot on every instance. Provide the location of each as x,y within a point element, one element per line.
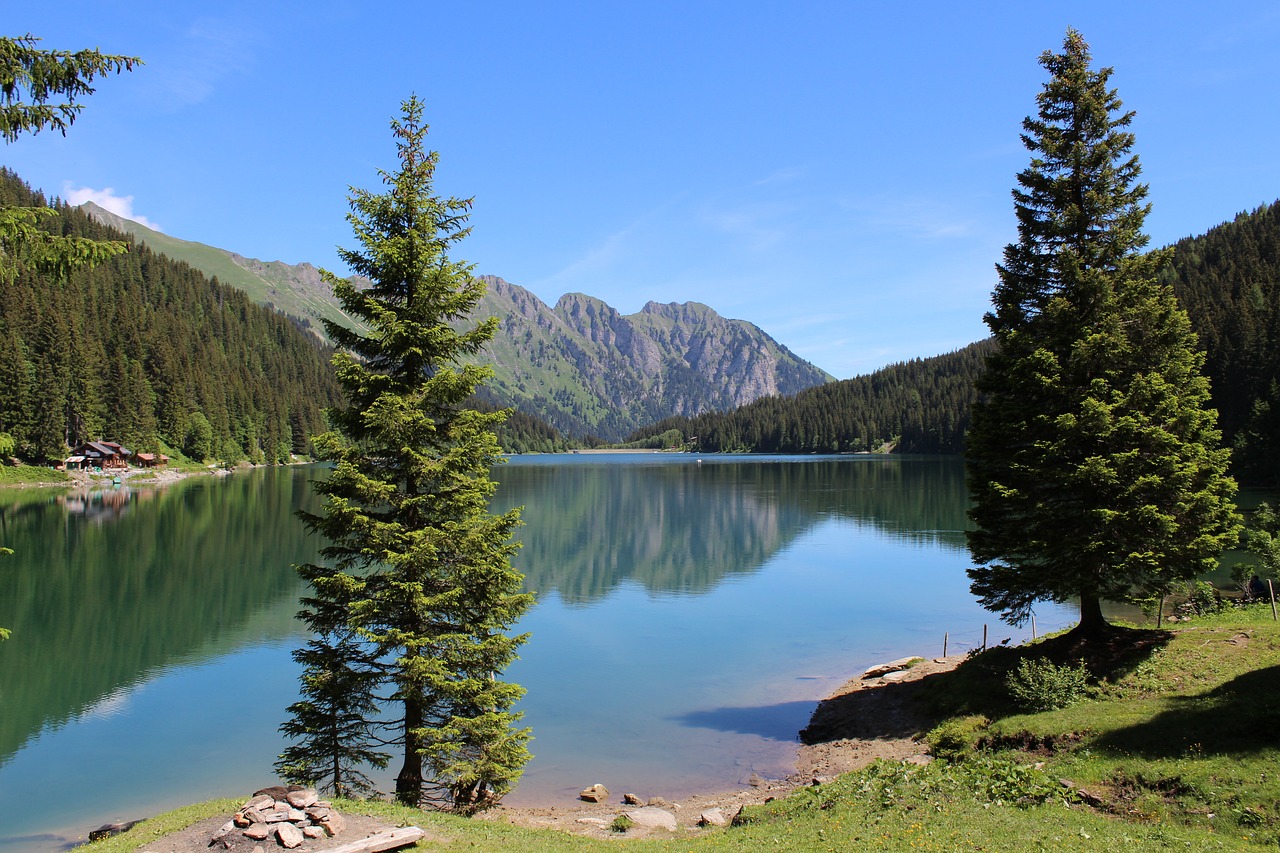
<point>690,613</point>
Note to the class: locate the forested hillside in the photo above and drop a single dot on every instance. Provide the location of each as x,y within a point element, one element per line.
<point>142,349</point>
<point>1229,282</point>
<point>921,406</point>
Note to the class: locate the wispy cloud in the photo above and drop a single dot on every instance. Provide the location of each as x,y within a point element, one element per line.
<point>208,51</point>
<point>921,218</point>
<point>106,198</point>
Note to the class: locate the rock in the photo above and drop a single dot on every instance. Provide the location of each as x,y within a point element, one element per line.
<point>738,819</point>
<point>654,817</point>
<point>225,836</point>
<point>631,800</point>
<point>257,848</point>
<point>712,817</point>
<point>657,801</point>
<point>109,829</point>
<point>894,677</point>
<point>892,666</point>
<point>253,814</point>
<point>302,799</point>
<point>295,815</point>
<point>289,835</point>
<point>594,821</point>
<point>257,832</point>
<point>921,760</point>
<point>332,823</point>
<point>259,801</point>
<point>597,793</point>
<point>312,831</point>
<point>755,780</point>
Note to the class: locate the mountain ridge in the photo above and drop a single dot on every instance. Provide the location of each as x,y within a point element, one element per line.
<point>580,365</point>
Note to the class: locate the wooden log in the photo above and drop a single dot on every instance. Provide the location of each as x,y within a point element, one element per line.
<point>388,840</point>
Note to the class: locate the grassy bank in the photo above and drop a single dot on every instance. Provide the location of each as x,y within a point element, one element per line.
<point>32,475</point>
<point>1172,745</point>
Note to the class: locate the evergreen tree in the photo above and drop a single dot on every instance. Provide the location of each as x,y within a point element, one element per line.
<point>1094,460</point>
<point>417,565</point>
<point>31,82</point>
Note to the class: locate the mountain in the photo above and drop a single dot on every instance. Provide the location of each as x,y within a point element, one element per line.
<point>295,290</point>
<point>582,366</point>
<point>588,369</point>
<point>917,406</point>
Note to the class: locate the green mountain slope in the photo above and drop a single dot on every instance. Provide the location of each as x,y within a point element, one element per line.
<point>146,350</point>
<point>581,366</point>
<point>295,290</point>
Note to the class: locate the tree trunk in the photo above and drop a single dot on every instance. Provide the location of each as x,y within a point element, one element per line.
<point>1091,619</point>
<point>409,780</point>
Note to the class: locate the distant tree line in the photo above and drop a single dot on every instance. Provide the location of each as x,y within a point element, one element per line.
<point>917,406</point>
<point>1228,280</point>
<point>144,350</point>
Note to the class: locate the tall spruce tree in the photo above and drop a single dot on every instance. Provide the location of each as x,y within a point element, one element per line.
<point>416,564</point>
<point>1095,465</point>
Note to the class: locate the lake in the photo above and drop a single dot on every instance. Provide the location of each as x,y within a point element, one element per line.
<point>691,611</point>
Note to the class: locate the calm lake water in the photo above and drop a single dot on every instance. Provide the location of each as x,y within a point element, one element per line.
<point>690,614</point>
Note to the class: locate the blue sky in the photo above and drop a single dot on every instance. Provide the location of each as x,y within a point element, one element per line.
<point>836,172</point>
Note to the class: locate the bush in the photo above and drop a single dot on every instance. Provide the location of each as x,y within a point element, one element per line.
<point>955,739</point>
<point>1042,685</point>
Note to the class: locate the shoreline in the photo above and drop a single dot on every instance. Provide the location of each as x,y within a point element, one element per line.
<point>864,720</point>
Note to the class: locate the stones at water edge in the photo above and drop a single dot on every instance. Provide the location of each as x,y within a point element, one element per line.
<point>109,829</point>
<point>631,800</point>
<point>597,793</point>
<point>654,817</point>
<point>892,666</point>
<point>712,817</point>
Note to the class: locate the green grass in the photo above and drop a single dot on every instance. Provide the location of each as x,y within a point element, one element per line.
<point>30,475</point>
<point>1175,747</point>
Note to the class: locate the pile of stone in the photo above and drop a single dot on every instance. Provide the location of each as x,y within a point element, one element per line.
<point>286,815</point>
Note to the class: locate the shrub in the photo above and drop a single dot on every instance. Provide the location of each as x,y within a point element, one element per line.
<point>1042,685</point>
<point>955,739</point>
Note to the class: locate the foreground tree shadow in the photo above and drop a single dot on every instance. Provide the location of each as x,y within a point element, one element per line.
<point>1240,717</point>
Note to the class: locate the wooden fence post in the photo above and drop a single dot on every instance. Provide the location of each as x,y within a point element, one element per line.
<point>945,637</point>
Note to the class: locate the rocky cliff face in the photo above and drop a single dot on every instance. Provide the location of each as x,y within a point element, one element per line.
<point>588,369</point>
<point>581,366</point>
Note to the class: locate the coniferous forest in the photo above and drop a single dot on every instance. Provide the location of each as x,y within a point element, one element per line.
<point>919,406</point>
<point>143,350</point>
<point>1228,280</point>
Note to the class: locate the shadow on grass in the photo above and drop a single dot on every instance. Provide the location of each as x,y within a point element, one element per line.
<point>776,722</point>
<point>977,686</point>
<point>1239,717</point>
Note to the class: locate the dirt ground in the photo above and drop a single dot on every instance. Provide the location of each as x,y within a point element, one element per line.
<point>859,723</point>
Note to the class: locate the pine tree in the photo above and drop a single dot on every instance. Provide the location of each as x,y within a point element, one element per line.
<point>1095,465</point>
<point>422,567</point>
